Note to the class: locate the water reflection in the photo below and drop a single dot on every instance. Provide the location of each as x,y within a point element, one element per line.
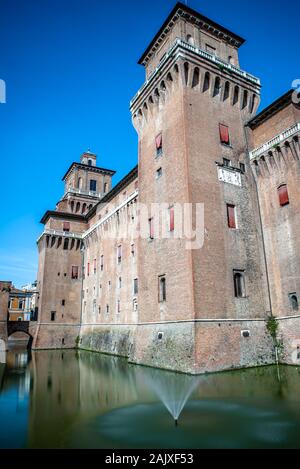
<point>85,400</point>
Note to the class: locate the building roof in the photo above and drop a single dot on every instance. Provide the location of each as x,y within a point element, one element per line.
<point>115,190</point>
<point>181,10</point>
<point>272,109</point>
<point>93,169</point>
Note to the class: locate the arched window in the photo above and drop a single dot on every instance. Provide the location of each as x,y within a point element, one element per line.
<point>230,59</point>
<point>186,72</point>
<point>79,183</point>
<point>83,208</point>
<point>190,39</point>
<point>294,301</point>
<point>77,207</point>
<point>226,91</point>
<point>206,83</point>
<point>72,206</point>
<point>245,99</point>
<point>196,77</point>
<point>239,284</point>
<point>236,95</point>
<point>217,87</point>
<point>90,163</point>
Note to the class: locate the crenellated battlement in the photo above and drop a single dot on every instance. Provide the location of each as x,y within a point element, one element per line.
<point>189,66</point>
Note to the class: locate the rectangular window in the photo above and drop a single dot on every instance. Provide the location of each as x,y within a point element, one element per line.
<point>63,302</point>
<point>133,250</point>
<point>53,315</point>
<point>159,145</point>
<point>135,286</point>
<point>226,163</point>
<point>120,282</point>
<point>242,168</point>
<point>107,309</point>
<point>95,266</point>
<point>88,269</point>
<point>94,306</point>
<point>151,228</point>
<point>162,291</point>
<point>159,173</point>
<point>66,244</point>
<point>66,226</point>
<point>210,49</point>
<point>239,283</point>
<point>283,195</point>
<point>231,216</point>
<point>75,272</point>
<point>172,219</point>
<point>93,185</point>
<point>135,304</point>
<point>105,188</point>
<point>118,306</point>
<point>224,134</point>
<point>102,263</point>
<point>119,254</point>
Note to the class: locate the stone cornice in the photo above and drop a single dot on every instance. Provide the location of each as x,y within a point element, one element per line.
<point>181,46</point>
<point>275,141</point>
<point>93,169</point>
<point>183,11</point>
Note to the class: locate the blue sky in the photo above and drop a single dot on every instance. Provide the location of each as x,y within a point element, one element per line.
<point>70,70</point>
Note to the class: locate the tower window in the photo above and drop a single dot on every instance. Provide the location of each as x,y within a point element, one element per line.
<point>210,49</point>
<point>66,244</point>
<point>206,83</point>
<point>159,145</point>
<point>242,168</point>
<point>95,266</point>
<point>224,134</point>
<point>102,263</point>
<point>88,269</point>
<point>172,219</point>
<point>294,301</point>
<point>118,306</point>
<point>120,282</point>
<point>159,173</point>
<point>135,286</point>
<point>133,250</point>
<point>66,227</point>
<point>75,271</point>
<point>63,302</point>
<point>105,188</point>
<point>231,216</point>
<point>107,309</point>
<point>93,185</point>
<point>239,283</point>
<point>151,228</point>
<point>226,163</point>
<point>162,291</point>
<point>283,195</point>
<point>90,163</point>
<point>119,254</point>
<point>53,316</point>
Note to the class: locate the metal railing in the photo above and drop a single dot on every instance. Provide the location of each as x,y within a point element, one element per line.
<point>73,190</point>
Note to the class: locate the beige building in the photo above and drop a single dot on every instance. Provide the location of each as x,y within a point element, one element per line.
<point>116,274</point>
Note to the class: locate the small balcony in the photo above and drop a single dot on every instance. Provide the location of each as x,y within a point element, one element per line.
<point>75,191</point>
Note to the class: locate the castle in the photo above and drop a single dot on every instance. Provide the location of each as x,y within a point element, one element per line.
<point>150,298</point>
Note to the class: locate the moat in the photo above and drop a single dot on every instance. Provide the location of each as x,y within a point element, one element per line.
<point>71,399</point>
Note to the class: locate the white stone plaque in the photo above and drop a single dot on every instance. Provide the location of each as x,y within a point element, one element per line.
<point>229,176</point>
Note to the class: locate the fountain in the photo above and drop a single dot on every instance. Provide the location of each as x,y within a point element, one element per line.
<point>173,389</point>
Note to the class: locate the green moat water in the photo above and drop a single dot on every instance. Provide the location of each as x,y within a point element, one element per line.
<point>69,399</point>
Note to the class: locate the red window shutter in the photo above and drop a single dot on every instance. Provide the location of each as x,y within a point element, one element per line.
<point>283,195</point>
<point>66,226</point>
<point>231,216</point>
<point>158,141</point>
<point>172,219</point>
<point>224,134</point>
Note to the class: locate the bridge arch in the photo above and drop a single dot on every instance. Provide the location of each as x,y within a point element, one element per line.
<point>19,326</point>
